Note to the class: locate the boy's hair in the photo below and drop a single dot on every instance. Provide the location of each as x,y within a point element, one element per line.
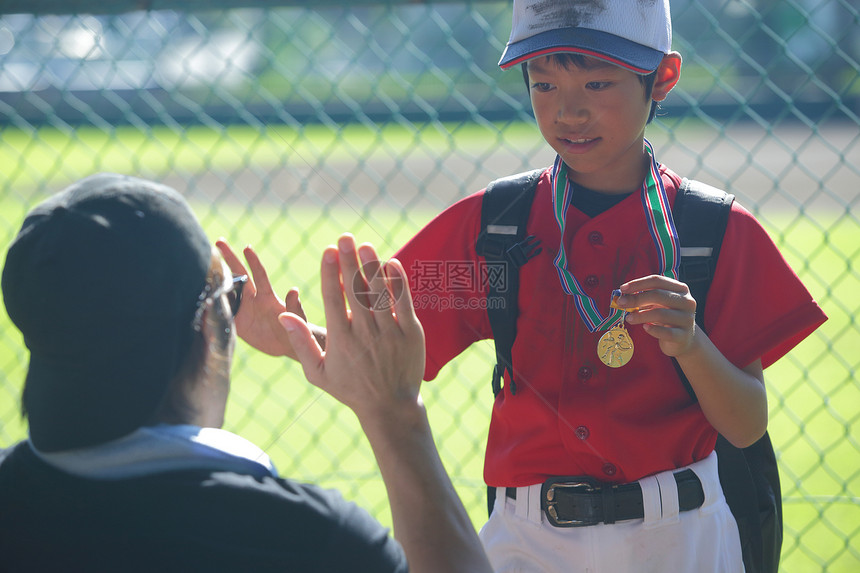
<point>566,60</point>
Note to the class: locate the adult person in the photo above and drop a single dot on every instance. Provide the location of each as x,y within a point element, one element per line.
<point>128,315</point>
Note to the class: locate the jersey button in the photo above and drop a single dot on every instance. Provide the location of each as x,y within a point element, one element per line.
<point>591,281</point>
<point>582,432</point>
<point>609,469</point>
<point>595,238</point>
<point>584,373</point>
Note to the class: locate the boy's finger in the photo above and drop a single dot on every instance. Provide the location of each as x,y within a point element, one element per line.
<point>652,282</point>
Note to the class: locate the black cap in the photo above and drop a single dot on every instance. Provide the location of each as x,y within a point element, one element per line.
<point>103,281</point>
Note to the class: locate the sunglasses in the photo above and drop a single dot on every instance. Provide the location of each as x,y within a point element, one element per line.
<point>233,291</point>
<point>231,288</point>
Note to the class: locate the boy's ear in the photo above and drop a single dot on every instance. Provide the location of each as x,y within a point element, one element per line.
<point>668,74</point>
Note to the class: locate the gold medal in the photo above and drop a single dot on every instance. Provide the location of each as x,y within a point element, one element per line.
<point>615,347</point>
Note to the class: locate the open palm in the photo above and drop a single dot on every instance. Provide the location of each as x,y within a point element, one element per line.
<point>257,321</point>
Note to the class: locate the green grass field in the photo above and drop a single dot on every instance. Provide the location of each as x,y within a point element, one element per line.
<point>813,392</point>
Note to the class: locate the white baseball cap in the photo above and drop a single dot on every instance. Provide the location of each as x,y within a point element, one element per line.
<point>633,34</point>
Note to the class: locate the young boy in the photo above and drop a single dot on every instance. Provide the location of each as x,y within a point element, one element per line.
<point>595,72</point>
<point>640,448</point>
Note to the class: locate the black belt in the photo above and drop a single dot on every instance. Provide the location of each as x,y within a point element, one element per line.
<point>582,500</point>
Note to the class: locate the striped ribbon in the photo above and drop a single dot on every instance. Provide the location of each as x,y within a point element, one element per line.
<point>660,224</point>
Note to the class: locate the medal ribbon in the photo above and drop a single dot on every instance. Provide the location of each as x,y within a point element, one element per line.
<point>660,224</point>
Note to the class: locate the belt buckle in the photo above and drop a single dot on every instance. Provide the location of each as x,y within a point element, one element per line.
<point>549,501</point>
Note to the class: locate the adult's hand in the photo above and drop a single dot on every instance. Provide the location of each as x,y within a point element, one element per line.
<point>373,363</point>
<point>375,355</point>
<point>257,321</point>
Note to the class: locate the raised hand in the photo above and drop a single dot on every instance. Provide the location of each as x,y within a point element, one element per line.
<point>374,357</point>
<point>257,321</point>
<point>373,363</point>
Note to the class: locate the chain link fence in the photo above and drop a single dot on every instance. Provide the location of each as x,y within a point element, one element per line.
<point>285,126</point>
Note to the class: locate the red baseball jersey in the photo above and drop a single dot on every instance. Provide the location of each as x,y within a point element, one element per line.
<point>571,414</point>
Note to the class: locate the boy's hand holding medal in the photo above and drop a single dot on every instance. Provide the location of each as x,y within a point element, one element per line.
<point>663,307</point>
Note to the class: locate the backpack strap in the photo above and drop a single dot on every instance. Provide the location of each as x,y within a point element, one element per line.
<point>701,213</point>
<point>504,245</point>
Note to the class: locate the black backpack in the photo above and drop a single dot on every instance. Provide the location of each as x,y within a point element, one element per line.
<point>748,476</point>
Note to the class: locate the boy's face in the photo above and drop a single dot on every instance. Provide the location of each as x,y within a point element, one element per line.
<point>594,118</point>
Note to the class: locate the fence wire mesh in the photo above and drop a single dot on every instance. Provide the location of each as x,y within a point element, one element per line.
<point>285,125</point>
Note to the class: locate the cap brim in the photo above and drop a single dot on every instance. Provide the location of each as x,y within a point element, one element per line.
<point>635,57</point>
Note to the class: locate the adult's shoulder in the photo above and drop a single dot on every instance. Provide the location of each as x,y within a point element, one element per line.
<point>6,452</point>
<point>187,520</point>
<point>8,458</point>
<point>310,522</point>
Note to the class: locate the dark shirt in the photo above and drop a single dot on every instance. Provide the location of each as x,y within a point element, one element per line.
<point>593,203</point>
<point>190,520</point>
